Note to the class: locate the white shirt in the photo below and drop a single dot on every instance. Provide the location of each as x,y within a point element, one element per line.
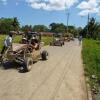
<point>8,41</point>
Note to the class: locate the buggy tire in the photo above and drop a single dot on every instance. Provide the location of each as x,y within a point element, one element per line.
<point>3,62</point>
<point>44,55</point>
<point>27,64</point>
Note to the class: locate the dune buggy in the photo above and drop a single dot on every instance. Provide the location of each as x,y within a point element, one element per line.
<point>24,54</point>
<point>57,40</point>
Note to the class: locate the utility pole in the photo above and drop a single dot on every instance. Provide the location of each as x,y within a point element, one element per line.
<point>67,21</point>
<point>67,14</point>
<point>89,11</point>
<point>88,24</point>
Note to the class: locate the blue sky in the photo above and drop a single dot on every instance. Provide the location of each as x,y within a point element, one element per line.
<point>47,11</point>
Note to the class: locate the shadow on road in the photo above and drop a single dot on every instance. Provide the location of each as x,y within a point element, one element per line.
<point>10,65</point>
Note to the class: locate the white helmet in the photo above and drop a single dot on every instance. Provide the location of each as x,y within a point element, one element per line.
<point>33,37</point>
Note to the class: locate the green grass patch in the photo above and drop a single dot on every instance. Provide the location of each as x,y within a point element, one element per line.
<point>47,39</point>
<point>91,60</point>
<point>2,37</point>
<point>17,39</point>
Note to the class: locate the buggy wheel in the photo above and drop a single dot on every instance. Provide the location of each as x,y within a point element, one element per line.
<point>4,57</point>
<point>3,61</point>
<point>27,64</point>
<point>44,55</point>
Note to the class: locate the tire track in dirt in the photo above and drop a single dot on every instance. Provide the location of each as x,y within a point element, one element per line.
<point>50,73</point>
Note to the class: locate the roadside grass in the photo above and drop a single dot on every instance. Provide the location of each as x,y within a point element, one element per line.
<point>47,40</point>
<point>91,61</point>
<point>2,37</point>
<point>17,39</point>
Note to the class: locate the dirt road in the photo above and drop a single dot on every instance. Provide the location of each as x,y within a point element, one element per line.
<point>61,77</point>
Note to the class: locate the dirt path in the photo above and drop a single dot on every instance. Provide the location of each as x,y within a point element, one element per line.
<point>61,77</point>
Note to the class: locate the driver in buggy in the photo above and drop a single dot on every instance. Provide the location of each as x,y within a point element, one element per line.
<point>35,43</point>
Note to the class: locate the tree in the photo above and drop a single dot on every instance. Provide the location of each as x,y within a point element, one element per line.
<point>73,30</point>
<point>15,24</point>
<point>79,31</point>
<point>27,28</point>
<point>6,25</point>
<point>40,28</point>
<point>57,27</point>
<point>91,29</point>
<point>97,35</point>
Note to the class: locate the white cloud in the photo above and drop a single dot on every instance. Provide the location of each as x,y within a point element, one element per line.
<point>17,3</point>
<point>4,2</point>
<point>90,6</point>
<point>51,4</point>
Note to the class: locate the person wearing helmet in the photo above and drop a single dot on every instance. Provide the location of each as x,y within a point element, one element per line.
<point>35,43</point>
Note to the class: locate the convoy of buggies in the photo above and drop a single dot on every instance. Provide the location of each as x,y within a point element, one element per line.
<point>25,52</point>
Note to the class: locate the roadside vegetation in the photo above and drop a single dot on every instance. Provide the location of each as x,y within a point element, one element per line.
<point>47,40</point>
<point>91,61</point>
<point>91,55</point>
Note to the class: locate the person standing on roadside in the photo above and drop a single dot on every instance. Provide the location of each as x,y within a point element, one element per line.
<point>80,39</point>
<point>7,43</point>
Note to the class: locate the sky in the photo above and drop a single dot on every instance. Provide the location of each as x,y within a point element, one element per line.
<point>34,12</point>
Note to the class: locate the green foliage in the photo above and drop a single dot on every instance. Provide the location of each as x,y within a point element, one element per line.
<point>61,28</point>
<point>57,28</point>
<point>91,60</point>
<point>8,24</point>
<point>15,24</point>
<point>35,28</point>
<point>47,39</point>
<point>2,37</point>
<point>40,28</point>
<point>73,30</point>
<point>27,28</point>
<point>91,30</point>
<point>12,24</point>
<point>17,39</point>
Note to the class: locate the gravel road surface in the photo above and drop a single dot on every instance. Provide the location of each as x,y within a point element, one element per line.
<point>61,77</point>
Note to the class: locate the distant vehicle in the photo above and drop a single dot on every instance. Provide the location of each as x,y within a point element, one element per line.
<point>72,38</point>
<point>57,40</point>
<point>69,37</point>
